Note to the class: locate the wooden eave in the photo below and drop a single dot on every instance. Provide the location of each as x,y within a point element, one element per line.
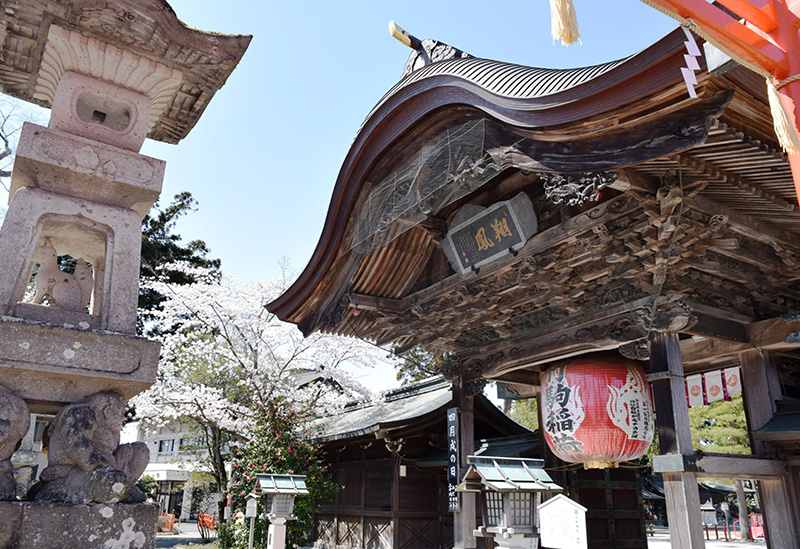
<point>647,73</point>
<point>588,280</point>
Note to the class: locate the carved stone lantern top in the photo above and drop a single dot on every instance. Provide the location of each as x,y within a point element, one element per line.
<point>141,46</point>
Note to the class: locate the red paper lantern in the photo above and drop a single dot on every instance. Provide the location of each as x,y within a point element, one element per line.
<point>597,411</point>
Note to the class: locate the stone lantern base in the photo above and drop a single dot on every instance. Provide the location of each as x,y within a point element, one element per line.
<point>26,525</point>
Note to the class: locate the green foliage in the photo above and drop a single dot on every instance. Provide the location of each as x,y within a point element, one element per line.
<point>277,444</point>
<point>162,247</point>
<point>149,486</point>
<point>418,364</point>
<point>720,427</point>
<point>526,413</point>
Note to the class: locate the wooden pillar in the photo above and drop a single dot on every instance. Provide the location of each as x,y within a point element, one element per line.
<point>761,384</point>
<point>395,502</point>
<point>744,517</point>
<point>464,524</point>
<point>675,436</point>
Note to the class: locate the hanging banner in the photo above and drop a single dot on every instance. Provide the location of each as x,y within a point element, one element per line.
<point>694,388</point>
<point>452,459</point>
<point>714,387</point>
<point>733,380</point>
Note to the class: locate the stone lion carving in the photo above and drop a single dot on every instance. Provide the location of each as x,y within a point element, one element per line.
<point>67,291</point>
<point>86,463</point>
<point>15,419</point>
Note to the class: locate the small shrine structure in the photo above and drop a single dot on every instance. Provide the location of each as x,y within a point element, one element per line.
<point>113,73</point>
<point>518,217</point>
<point>391,458</point>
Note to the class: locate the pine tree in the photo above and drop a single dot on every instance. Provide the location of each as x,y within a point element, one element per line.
<point>720,427</point>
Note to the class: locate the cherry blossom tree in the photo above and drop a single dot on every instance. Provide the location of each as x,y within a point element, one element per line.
<point>224,355</point>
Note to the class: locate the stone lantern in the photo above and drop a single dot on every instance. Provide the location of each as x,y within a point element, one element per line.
<point>510,491</point>
<point>113,73</point>
<point>280,491</point>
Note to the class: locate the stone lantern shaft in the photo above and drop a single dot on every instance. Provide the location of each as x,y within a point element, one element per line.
<point>113,73</point>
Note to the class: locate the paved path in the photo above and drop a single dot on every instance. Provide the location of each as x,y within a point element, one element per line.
<point>661,541</point>
<point>185,533</point>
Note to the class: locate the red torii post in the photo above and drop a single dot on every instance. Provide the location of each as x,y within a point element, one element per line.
<point>766,39</point>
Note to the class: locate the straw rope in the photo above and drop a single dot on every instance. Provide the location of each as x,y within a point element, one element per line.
<point>784,128</point>
<point>564,22</point>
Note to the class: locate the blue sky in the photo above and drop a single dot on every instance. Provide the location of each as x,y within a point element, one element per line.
<point>263,159</point>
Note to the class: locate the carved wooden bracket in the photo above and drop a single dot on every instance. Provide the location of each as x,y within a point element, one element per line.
<point>670,313</point>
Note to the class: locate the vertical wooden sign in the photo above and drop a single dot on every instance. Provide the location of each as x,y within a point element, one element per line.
<point>452,459</point>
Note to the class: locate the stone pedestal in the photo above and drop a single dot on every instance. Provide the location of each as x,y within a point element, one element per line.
<point>516,541</point>
<point>25,525</point>
<point>50,366</point>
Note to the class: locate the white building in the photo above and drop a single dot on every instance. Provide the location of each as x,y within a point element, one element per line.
<point>185,487</point>
<point>29,461</point>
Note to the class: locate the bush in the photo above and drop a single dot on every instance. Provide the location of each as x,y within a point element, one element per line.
<point>278,444</point>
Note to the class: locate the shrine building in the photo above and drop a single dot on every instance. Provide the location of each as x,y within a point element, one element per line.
<point>524,219</point>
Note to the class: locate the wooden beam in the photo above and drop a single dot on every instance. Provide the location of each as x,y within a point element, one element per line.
<point>732,35</point>
<point>518,377</point>
<point>722,328</point>
<point>675,437</point>
<point>743,467</point>
<point>599,331</point>
<point>775,334</point>
<point>373,303</point>
<point>743,223</point>
<point>571,228</point>
<point>760,13</point>
<point>630,178</point>
<point>708,353</point>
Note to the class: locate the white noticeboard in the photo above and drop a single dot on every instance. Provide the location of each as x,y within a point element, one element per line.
<point>562,524</point>
<point>252,508</point>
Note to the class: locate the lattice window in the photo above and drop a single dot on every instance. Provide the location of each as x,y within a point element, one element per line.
<point>494,508</point>
<point>521,511</point>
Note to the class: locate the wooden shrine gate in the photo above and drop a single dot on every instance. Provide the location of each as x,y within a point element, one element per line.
<point>661,227</point>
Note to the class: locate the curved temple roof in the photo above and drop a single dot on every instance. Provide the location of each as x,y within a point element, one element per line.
<point>567,105</point>
<point>178,68</point>
<point>505,79</point>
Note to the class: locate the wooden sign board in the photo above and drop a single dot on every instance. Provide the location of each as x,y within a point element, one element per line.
<point>489,234</point>
<point>562,524</point>
<point>452,460</point>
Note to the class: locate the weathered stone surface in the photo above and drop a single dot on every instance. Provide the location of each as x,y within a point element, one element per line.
<point>141,46</point>
<point>59,162</point>
<point>86,463</point>
<point>14,422</point>
<point>72,292</point>
<point>25,525</point>
<point>100,111</point>
<point>103,235</point>
<point>50,366</point>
